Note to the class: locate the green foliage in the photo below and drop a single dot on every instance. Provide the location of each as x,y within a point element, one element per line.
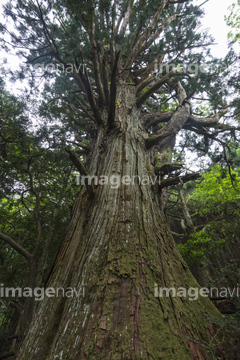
<point>216,189</point>
<point>227,273</point>
<point>37,179</point>
<point>36,176</point>
<point>215,202</point>
<point>233,20</point>
<point>203,109</point>
<point>203,242</point>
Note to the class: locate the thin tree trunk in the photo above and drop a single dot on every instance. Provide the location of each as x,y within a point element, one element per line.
<point>186,214</point>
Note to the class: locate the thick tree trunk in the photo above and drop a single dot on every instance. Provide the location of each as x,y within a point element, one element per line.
<point>118,246</point>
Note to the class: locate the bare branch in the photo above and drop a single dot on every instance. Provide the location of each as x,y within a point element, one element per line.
<point>155,87</point>
<point>81,168</point>
<point>167,168</point>
<point>91,98</point>
<point>113,88</point>
<point>114,32</point>
<point>208,121</point>
<point>120,19</point>
<point>40,56</point>
<point>175,124</point>
<point>178,1</point>
<point>96,64</point>
<point>164,116</point>
<point>156,118</point>
<point>145,74</point>
<point>105,70</point>
<point>146,33</point>
<point>46,31</point>
<point>158,32</point>
<point>16,246</point>
<point>179,179</point>
<point>126,18</point>
<point>85,150</point>
<point>85,110</point>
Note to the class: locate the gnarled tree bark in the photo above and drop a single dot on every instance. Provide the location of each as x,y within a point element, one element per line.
<point>118,246</point>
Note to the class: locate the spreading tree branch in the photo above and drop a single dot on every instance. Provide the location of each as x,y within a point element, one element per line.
<point>91,98</point>
<point>85,110</point>
<point>179,179</point>
<point>113,89</point>
<point>105,74</point>
<point>85,150</point>
<point>16,246</point>
<point>164,79</point>
<point>158,32</point>
<point>164,116</point>
<point>178,1</point>
<point>125,17</point>
<point>81,79</point>
<point>96,65</point>
<point>114,30</point>
<point>174,125</point>
<point>148,70</point>
<point>153,119</point>
<point>138,46</point>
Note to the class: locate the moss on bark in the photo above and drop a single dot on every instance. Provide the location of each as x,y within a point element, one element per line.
<point>118,245</point>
